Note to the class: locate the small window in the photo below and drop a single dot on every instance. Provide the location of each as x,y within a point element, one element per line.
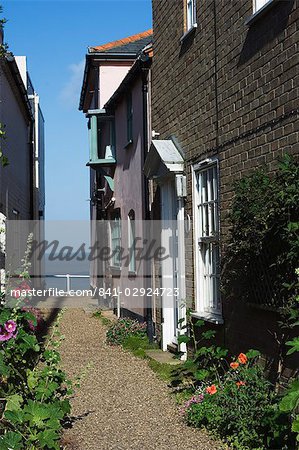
<point>190,13</point>
<point>129,118</point>
<point>115,227</point>
<point>131,241</point>
<point>258,4</point>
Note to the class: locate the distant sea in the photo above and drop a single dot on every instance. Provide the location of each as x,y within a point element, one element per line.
<point>73,267</point>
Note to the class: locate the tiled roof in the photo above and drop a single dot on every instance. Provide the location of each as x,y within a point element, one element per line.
<point>131,44</point>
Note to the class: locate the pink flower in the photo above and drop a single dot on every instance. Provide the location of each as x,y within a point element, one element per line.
<point>4,336</point>
<point>25,286</point>
<point>10,326</point>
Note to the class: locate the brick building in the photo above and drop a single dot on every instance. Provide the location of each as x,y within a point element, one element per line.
<point>225,89</point>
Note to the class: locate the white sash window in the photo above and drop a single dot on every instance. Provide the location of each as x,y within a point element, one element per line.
<point>206,215</point>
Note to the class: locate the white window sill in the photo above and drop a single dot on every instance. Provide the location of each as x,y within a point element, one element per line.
<point>260,12</point>
<point>188,32</point>
<point>115,271</point>
<point>213,318</point>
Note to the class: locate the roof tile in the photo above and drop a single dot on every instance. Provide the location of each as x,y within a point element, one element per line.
<point>131,44</point>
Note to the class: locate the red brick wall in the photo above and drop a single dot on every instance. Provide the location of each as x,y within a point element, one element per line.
<point>229,90</point>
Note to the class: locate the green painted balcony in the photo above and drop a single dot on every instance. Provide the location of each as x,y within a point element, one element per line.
<point>95,130</point>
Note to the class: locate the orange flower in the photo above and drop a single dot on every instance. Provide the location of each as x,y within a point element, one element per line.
<point>234,365</point>
<point>240,383</point>
<point>211,389</point>
<point>242,358</point>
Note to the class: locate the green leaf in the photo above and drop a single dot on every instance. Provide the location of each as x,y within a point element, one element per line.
<point>30,317</point>
<point>251,354</point>
<point>32,380</point>
<point>209,334</point>
<point>294,344</point>
<point>14,416</point>
<point>183,339</point>
<point>295,424</point>
<point>5,315</point>
<point>4,369</point>
<point>202,374</point>
<point>48,438</point>
<point>11,440</point>
<point>13,402</point>
<point>291,400</point>
<point>199,323</point>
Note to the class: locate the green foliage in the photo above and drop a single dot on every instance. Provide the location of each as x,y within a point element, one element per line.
<point>138,345</point>
<point>34,389</point>
<point>99,315</point>
<point>208,359</point>
<point>263,249</point>
<point>163,370</point>
<point>241,409</point>
<point>290,401</point>
<point>120,330</point>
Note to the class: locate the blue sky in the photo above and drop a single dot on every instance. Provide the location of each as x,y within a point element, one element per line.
<point>54,35</point>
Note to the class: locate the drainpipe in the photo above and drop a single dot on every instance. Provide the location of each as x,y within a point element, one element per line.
<point>32,166</point>
<point>145,103</point>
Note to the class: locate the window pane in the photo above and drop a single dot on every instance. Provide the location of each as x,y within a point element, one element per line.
<point>208,227</point>
<point>131,223</point>
<point>259,4</point>
<point>116,241</point>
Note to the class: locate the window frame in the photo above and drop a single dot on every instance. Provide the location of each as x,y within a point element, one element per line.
<point>190,17</point>
<point>131,241</point>
<point>115,242</point>
<point>206,211</point>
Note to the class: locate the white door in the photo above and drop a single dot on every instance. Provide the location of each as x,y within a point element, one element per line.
<point>169,267</point>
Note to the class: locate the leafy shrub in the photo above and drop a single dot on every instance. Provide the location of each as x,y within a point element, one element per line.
<point>124,328</point>
<point>206,362</point>
<point>262,253</point>
<point>241,408</point>
<point>34,390</point>
<point>290,401</point>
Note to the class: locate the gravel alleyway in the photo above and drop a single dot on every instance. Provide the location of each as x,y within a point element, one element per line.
<point>122,402</point>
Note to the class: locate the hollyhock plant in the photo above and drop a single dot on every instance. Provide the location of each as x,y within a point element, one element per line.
<point>6,335</point>
<point>10,326</point>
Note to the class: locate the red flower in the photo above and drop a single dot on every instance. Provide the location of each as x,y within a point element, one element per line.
<point>242,358</point>
<point>240,383</point>
<point>234,365</point>
<point>211,389</point>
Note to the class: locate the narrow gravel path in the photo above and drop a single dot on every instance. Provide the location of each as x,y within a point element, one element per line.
<point>122,403</point>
